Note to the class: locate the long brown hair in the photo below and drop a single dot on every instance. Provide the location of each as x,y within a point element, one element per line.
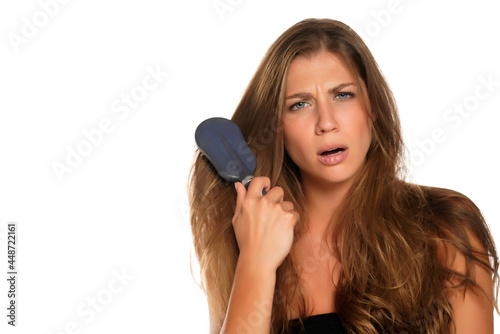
<point>389,231</point>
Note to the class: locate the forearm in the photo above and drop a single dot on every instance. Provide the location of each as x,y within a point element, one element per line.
<point>250,304</point>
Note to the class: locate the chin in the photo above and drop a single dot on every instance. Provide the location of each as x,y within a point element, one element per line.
<point>330,180</point>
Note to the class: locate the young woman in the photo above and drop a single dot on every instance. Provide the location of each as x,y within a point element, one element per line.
<point>340,243</point>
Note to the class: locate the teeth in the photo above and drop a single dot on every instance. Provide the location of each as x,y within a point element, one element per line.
<point>333,152</point>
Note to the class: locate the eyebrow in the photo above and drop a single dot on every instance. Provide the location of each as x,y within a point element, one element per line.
<point>330,91</point>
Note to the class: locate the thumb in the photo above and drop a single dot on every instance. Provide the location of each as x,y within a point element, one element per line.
<point>240,196</point>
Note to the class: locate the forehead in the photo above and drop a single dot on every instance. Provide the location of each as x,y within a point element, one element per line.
<point>321,65</point>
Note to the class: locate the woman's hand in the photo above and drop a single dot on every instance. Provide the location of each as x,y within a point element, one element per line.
<point>264,230</point>
<point>263,224</point>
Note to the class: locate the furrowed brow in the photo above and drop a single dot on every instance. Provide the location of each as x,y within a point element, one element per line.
<point>330,91</point>
<point>299,96</point>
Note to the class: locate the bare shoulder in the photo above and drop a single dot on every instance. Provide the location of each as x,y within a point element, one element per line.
<point>472,307</point>
<point>468,251</point>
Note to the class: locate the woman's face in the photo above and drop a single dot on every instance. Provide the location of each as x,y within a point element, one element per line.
<point>327,131</point>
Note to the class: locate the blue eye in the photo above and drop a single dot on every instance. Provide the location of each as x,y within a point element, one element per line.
<point>344,95</point>
<point>298,105</point>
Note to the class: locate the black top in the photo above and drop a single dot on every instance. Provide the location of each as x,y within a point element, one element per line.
<point>319,324</point>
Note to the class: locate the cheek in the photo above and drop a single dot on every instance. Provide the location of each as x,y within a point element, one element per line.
<point>360,123</point>
<point>359,126</point>
<point>292,140</point>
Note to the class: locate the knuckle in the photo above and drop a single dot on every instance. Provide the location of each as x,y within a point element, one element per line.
<point>289,216</point>
<point>266,199</point>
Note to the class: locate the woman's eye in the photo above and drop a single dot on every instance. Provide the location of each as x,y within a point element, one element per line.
<point>298,105</point>
<point>344,95</point>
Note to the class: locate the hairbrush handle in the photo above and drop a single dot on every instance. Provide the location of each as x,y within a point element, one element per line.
<point>246,183</point>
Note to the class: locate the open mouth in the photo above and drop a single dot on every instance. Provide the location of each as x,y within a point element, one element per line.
<point>334,151</point>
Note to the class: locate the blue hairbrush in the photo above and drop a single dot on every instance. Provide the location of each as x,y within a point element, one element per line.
<point>221,142</point>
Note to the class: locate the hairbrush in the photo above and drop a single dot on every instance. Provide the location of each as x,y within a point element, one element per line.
<point>221,142</point>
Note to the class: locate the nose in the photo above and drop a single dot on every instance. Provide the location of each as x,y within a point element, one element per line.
<point>326,118</point>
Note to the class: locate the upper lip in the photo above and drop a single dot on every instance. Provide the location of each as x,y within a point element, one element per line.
<point>329,147</point>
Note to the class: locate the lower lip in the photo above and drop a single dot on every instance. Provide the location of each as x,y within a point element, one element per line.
<point>333,159</point>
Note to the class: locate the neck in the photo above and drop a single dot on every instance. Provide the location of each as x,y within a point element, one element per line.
<point>322,201</point>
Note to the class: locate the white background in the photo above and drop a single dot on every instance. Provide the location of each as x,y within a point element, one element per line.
<point>123,208</point>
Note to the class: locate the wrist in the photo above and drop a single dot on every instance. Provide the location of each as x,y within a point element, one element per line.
<point>255,267</point>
